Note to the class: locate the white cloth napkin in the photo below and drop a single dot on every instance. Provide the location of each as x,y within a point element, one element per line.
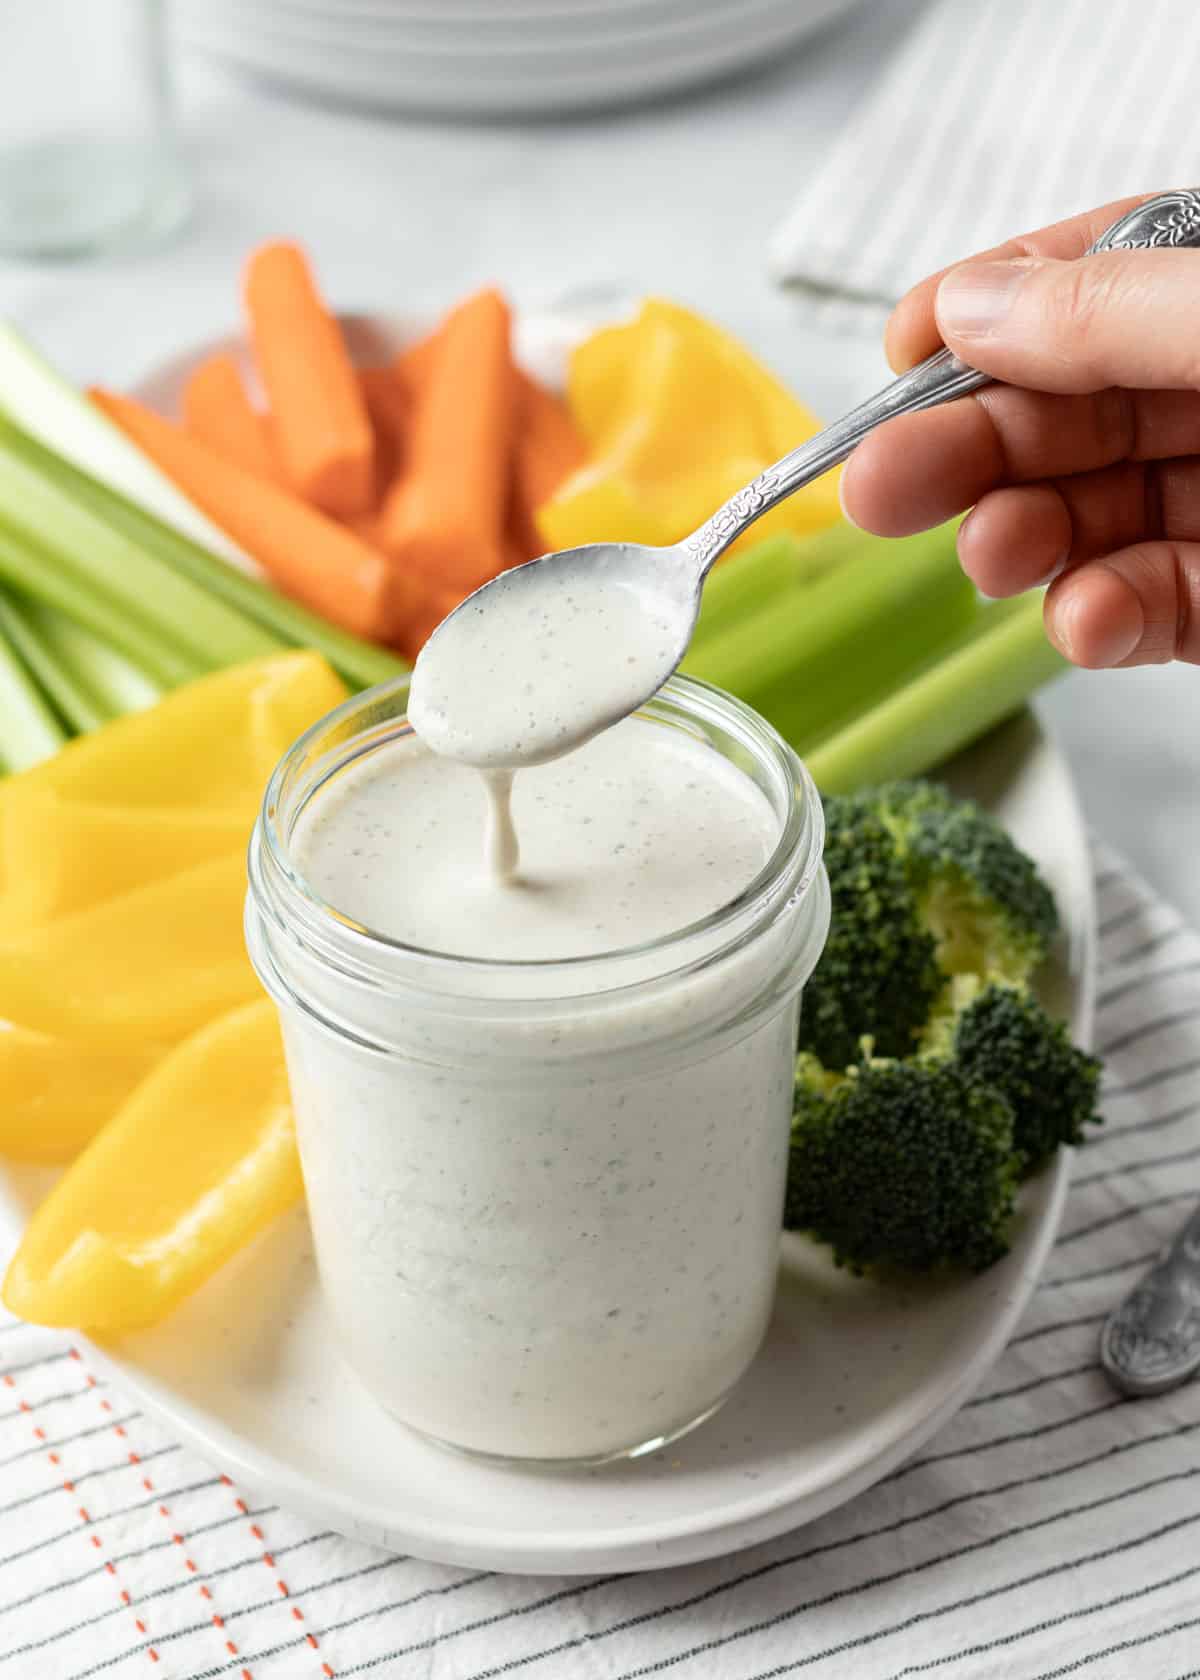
<point>994,117</point>
<point>1051,1529</point>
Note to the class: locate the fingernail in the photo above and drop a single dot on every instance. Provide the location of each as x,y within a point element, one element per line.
<point>1104,645</point>
<point>1065,616</point>
<point>975,300</point>
<point>846,514</point>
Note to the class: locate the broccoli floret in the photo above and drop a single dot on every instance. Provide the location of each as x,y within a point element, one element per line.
<point>929,1080</point>
<point>924,887</point>
<point>878,973</point>
<point>908,1164</point>
<point>1005,1040</point>
<point>980,896</point>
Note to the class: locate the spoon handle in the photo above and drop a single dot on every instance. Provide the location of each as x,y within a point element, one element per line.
<point>1151,1342</point>
<point>1171,218</point>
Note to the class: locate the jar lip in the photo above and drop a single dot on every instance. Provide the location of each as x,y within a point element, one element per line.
<point>796,854</point>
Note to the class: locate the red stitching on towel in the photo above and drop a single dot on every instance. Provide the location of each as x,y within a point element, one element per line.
<point>240,1505</point>
<point>164,1511</point>
<point>81,1511</point>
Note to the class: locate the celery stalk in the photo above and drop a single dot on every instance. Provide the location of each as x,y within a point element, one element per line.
<point>79,709</point>
<point>114,684</point>
<point>32,572</point>
<point>757,577</point>
<point>981,680</point>
<point>48,407</point>
<point>815,657</point>
<point>29,730</point>
<point>35,506</point>
<point>361,663</point>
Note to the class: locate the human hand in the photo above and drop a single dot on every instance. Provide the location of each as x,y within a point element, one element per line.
<point>1084,466</point>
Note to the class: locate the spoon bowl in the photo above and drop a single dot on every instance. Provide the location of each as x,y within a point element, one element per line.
<point>548,654</point>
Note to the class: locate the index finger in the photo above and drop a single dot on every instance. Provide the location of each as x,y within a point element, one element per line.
<point>912,332</point>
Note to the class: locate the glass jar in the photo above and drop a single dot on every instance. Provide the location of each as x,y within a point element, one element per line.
<point>87,148</point>
<point>545,1196</point>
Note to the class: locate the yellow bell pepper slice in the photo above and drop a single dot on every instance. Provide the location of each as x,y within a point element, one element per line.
<point>147,966</point>
<point>784,420</point>
<point>155,792</point>
<point>199,1159</point>
<point>64,855</point>
<point>122,878</point>
<point>678,415</point>
<point>635,391</point>
<point>58,1093</point>
<point>601,499</point>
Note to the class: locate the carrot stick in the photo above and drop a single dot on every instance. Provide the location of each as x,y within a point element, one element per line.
<point>425,620</point>
<point>323,432</point>
<point>548,449</point>
<point>415,364</point>
<point>389,407</point>
<point>307,555</point>
<point>391,394</point>
<point>217,412</point>
<point>445,517</point>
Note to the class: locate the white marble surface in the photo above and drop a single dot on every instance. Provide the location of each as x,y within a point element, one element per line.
<point>680,199</point>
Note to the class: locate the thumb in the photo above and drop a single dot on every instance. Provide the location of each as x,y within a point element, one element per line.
<point>1127,318</point>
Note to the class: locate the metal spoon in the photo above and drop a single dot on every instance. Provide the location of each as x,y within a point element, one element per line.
<point>667,582</point>
<point>1151,1342</point>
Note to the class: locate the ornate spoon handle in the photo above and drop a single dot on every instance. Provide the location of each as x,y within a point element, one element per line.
<point>1171,218</point>
<point>1151,1342</point>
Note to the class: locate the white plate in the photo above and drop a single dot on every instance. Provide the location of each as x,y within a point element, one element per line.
<point>853,1376</point>
<point>494,43</point>
<point>537,73</point>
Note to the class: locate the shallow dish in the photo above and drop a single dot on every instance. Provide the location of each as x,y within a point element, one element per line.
<point>549,61</point>
<point>852,1379</point>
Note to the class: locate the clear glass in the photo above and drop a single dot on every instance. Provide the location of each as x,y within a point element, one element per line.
<point>87,150</point>
<point>545,1196</point>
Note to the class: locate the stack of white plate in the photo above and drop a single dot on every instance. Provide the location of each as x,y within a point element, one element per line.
<point>496,57</point>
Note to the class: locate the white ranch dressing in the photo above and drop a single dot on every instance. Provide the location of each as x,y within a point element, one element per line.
<point>555,1265</point>
<point>502,849</point>
<point>561,1264</point>
<point>519,676</point>
<point>526,675</point>
<point>632,837</point>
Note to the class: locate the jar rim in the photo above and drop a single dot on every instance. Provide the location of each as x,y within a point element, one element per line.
<point>787,874</point>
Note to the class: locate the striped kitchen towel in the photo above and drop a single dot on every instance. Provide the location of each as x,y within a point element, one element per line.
<point>993,118</point>
<point>1051,1529</point>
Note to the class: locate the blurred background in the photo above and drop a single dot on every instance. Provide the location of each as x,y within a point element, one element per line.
<point>785,166</point>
